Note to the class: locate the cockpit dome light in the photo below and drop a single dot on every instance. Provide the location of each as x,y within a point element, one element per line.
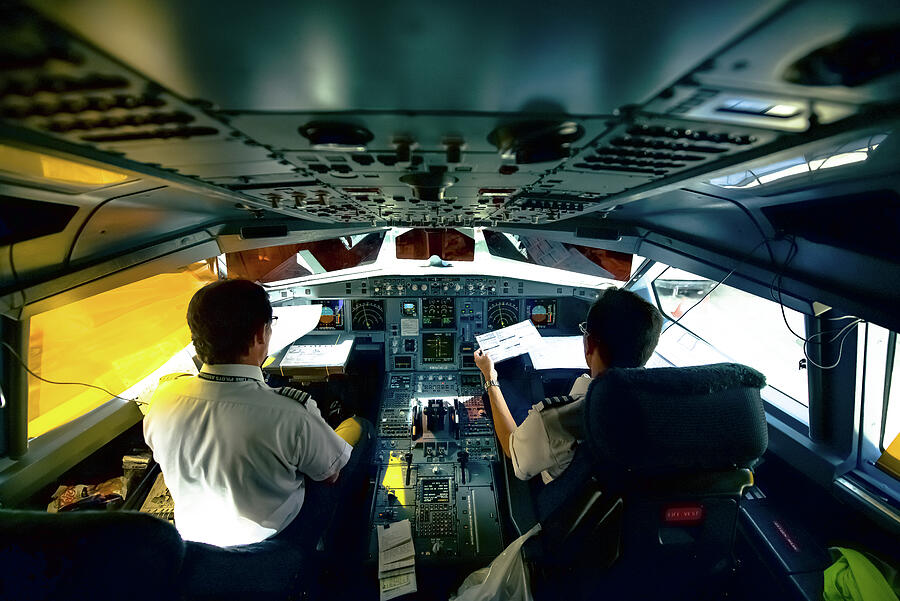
<point>536,141</point>
<point>335,135</point>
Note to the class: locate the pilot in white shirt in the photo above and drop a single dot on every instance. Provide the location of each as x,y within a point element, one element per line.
<point>621,330</point>
<point>235,454</point>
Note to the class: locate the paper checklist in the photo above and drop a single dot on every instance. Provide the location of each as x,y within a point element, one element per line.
<point>396,560</point>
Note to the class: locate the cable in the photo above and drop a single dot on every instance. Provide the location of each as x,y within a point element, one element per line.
<point>15,274</point>
<point>846,328</point>
<point>22,362</point>
<point>739,263</point>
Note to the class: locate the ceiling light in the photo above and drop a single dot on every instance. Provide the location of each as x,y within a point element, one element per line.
<point>26,166</point>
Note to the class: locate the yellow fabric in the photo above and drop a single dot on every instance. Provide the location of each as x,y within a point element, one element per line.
<point>350,430</point>
<point>854,578</point>
<point>114,339</point>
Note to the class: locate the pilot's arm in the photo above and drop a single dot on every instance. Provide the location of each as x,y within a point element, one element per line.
<point>527,445</point>
<point>321,453</point>
<point>504,423</point>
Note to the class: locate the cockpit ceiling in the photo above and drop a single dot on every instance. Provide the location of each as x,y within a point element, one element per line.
<point>455,114</point>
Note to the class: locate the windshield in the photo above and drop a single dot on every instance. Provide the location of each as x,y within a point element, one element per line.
<point>536,250</point>
<point>276,263</point>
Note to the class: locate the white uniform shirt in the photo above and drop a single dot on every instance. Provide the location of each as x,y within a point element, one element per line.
<point>545,442</point>
<point>234,454</point>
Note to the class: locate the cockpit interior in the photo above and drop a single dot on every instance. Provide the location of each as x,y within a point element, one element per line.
<point>407,181</point>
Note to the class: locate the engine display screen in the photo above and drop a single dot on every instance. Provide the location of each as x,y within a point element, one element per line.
<point>438,313</point>
<point>332,317</point>
<point>541,312</point>
<point>437,347</point>
<point>436,490</point>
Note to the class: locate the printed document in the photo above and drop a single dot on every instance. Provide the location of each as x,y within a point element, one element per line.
<point>396,560</point>
<point>509,342</point>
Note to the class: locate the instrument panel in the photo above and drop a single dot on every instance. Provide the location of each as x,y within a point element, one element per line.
<point>432,325</point>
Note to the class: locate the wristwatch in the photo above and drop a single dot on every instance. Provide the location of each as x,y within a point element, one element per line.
<point>489,383</point>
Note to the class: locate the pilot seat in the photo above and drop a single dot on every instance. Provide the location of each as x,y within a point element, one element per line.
<point>648,508</point>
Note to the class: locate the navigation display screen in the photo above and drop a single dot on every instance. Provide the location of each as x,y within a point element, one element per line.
<point>438,313</point>
<point>332,315</point>
<point>435,491</point>
<point>437,347</point>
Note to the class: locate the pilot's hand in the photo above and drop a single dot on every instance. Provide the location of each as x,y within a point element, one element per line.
<point>486,365</point>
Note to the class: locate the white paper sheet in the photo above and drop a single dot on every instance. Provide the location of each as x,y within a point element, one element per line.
<point>409,326</point>
<point>318,355</point>
<point>293,322</point>
<point>509,342</point>
<point>558,352</point>
<point>396,560</point>
<point>396,585</point>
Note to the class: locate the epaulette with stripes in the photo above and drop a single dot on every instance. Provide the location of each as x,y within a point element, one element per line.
<point>552,402</point>
<point>173,376</point>
<point>293,393</point>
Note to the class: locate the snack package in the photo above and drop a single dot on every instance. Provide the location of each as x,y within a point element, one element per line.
<point>88,496</point>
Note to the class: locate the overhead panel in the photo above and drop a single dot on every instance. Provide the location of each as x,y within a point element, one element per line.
<point>770,88</point>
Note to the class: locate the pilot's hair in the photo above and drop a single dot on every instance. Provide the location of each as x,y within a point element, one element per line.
<point>625,326</point>
<point>224,316</point>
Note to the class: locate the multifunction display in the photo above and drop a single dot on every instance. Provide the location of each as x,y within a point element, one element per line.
<point>502,313</point>
<point>436,490</point>
<point>438,313</point>
<point>332,317</point>
<point>541,311</point>
<point>437,347</point>
<point>368,315</point>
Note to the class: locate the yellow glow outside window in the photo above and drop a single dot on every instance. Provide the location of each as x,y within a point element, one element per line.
<point>36,166</point>
<point>114,340</point>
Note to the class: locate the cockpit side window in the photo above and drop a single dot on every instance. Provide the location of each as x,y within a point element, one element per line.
<point>711,322</point>
<point>112,340</point>
<point>879,374</point>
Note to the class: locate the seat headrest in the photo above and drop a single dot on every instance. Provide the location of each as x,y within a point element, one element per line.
<point>53,555</point>
<point>674,419</point>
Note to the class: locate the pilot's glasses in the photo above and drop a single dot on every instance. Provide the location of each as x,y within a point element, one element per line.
<point>583,327</point>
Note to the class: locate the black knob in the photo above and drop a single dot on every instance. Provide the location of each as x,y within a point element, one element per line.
<point>408,457</point>
<point>463,458</point>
